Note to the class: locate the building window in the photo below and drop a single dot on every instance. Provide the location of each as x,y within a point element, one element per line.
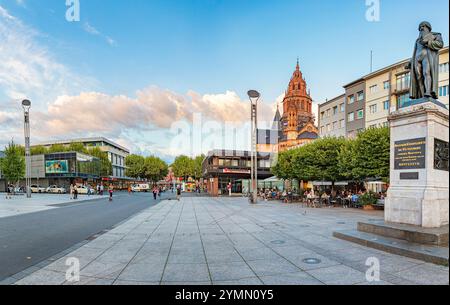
<point>328,127</point>
<point>386,85</point>
<point>443,91</point>
<point>360,114</point>
<point>373,89</point>
<point>360,96</point>
<point>386,105</point>
<point>403,81</point>
<point>322,115</point>
<point>351,117</point>
<point>443,68</point>
<point>373,108</point>
<point>341,123</point>
<point>322,130</point>
<point>335,110</point>
<point>342,106</point>
<point>402,100</point>
<point>351,99</point>
<point>335,125</point>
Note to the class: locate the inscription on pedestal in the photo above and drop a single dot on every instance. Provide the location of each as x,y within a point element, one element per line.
<point>409,176</point>
<point>410,154</point>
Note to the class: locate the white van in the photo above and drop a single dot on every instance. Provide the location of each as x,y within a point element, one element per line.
<point>138,188</point>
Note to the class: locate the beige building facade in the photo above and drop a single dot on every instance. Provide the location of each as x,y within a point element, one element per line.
<point>388,89</point>
<point>332,118</point>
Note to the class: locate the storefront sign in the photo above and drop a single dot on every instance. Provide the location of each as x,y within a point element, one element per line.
<point>410,154</point>
<point>56,167</point>
<point>236,171</point>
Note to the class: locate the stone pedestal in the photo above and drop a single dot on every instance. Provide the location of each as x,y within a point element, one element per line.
<point>419,191</point>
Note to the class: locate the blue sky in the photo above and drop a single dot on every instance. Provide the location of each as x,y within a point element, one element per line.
<point>210,47</point>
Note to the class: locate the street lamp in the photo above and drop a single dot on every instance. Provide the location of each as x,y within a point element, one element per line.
<point>26,105</point>
<point>254,98</point>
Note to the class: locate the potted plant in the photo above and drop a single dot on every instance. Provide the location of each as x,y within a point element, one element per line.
<point>368,200</point>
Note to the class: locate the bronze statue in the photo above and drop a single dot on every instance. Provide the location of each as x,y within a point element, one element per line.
<point>424,64</point>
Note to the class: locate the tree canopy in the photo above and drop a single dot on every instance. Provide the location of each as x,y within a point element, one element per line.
<point>151,168</point>
<point>13,164</point>
<point>333,159</point>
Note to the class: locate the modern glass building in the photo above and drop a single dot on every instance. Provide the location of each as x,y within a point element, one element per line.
<point>222,167</point>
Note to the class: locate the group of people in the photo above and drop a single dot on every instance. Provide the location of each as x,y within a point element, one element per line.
<point>9,191</point>
<point>275,194</point>
<point>314,197</point>
<point>100,189</point>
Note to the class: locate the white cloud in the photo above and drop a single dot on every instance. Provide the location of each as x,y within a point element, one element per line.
<point>93,31</point>
<point>27,69</point>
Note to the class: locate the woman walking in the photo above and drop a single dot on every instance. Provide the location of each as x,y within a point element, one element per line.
<point>111,191</point>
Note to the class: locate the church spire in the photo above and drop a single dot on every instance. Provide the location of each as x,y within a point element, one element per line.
<point>298,64</point>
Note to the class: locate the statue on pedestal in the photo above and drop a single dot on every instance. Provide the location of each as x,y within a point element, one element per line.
<point>424,64</point>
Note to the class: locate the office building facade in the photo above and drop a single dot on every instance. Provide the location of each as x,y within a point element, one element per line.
<point>116,153</point>
<point>332,118</point>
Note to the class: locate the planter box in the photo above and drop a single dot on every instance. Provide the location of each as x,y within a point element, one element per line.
<point>368,208</point>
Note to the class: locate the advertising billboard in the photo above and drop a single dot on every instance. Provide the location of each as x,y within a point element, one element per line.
<point>57,167</point>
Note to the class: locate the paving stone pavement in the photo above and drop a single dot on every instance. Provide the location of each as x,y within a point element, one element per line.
<point>226,241</point>
<point>20,205</point>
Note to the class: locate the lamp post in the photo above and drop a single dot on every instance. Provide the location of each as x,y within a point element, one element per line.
<point>26,105</point>
<point>254,98</point>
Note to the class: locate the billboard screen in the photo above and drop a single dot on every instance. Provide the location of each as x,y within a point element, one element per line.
<point>57,167</point>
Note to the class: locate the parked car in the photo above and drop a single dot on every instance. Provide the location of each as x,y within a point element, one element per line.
<point>54,189</point>
<point>137,188</point>
<point>37,189</point>
<point>85,190</point>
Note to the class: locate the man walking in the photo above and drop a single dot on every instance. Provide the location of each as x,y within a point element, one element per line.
<point>178,193</point>
<point>155,192</point>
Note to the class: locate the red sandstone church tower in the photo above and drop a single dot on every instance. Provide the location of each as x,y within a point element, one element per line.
<point>297,123</point>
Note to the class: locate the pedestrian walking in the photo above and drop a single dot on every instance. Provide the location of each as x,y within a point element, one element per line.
<point>178,193</point>
<point>71,191</point>
<point>111,191</point>
<point>98,189</point>
<point>8,192</point>
<point>129,190</point>
<point>102,189</point>
<point>75,192</point>
<point>155,193</point>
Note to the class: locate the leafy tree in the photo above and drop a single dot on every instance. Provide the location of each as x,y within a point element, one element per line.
<point>13,164</point>
<point>197,167</point>
<point>155,169</point>
<point>318,160</point>
<point>105,164</point>
<point>135,166</point>
<point>183,166</point>
<point>284,166</point>
<point>372,154</point>
<point>38,150</point>
<point>346,159</point>
<point>56,148</point>
<point>77,147</point>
